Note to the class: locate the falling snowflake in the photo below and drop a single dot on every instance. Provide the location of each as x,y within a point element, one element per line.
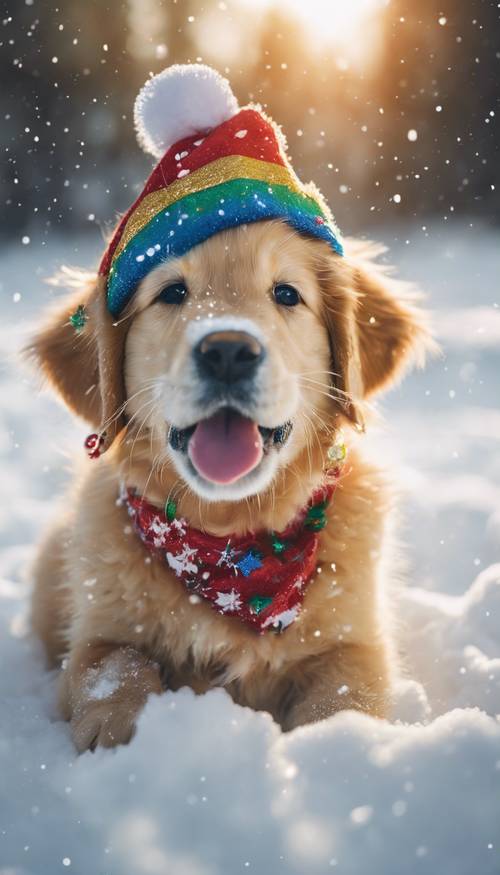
<point>182,562</point>
<point>228,601</point>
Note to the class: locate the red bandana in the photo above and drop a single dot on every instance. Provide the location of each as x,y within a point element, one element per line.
<point>259,578</point>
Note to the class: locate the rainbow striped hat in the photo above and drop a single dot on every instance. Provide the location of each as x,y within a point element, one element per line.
<point>219,166</point>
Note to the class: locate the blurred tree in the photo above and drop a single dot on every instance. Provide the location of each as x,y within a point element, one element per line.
<point>181,48</point>
<point>64,96</point>
<point>438,85</point>
<point>69,77</point>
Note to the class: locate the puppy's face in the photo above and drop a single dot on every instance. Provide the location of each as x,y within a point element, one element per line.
<point>228,358</point>
<point>238,357</point>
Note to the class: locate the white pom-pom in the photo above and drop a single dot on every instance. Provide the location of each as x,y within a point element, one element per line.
<point>181,101</point>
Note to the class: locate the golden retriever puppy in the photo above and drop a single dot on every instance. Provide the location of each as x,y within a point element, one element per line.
<point>222,539</point>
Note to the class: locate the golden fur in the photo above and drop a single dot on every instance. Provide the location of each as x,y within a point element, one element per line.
<point>101,602</point>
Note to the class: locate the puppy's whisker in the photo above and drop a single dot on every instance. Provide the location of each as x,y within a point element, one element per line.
<point>314,431</point>
<point>329,373</point>
<point>319,385</point>
<point>133,419</point>
<point>150,475</point>
<point>151,436</point>
<point>150,402</point>
<point>172,494</point>
<point>329,429</point>
<point>333,395</point>
<point>329,426</point>
<point>326,385</point>
<point>249,509</point>
<point>147,385</point>
<point>121,409</point>
<point>308,448</point>
<point>143,424</point>
<point>273,498</point>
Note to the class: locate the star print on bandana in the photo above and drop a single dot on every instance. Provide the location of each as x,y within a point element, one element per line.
<point>249,562</point>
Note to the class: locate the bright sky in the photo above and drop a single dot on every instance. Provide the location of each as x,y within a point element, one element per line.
<point>351,28</point>
<point>343,23</point>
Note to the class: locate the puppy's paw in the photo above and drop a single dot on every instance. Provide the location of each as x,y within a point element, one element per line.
<point>103,724</point>
<point>102,693</point>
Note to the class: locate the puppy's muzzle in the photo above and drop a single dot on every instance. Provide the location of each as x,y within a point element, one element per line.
<point>228,440</point>
<point>228,357</point>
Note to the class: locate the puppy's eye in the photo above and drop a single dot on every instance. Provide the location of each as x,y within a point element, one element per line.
<point>173,294</point>
<point>286,295</point>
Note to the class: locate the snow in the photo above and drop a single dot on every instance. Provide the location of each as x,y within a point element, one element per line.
<point>207,787</point>
<point>102,684</point>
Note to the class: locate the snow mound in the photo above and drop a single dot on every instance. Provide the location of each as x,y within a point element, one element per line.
<point>453,646</point>
<point>207,787</point>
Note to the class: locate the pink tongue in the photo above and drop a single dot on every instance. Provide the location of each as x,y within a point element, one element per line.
<point>225,447</point>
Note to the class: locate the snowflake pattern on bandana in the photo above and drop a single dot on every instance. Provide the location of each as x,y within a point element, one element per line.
<point>182,563</point>
<point>244,577</point>
<point>228,558</point>
<point>161,530</point>
<point>228,601</point>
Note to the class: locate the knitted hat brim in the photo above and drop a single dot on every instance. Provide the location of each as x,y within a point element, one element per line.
<point>196,217</point>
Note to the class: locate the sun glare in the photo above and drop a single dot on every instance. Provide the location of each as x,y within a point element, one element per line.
<point>350,27</point>
<point>334,20</point>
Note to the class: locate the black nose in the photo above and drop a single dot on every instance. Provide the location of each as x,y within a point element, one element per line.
<point>228,356</point>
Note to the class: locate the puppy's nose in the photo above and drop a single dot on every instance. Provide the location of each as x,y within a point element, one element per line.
<point>229,356</point>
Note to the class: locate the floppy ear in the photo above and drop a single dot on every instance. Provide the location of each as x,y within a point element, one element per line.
<point>375,330</point>
<point>391,331</point>
<point>85,366</point>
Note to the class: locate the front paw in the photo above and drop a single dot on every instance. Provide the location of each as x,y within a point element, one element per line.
<point>103,724</point>
<point>102,692</point>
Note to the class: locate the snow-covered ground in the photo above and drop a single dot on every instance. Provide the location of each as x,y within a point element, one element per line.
<point>209,788</point>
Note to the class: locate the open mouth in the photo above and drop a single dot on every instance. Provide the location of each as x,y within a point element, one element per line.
<point>227,445</point>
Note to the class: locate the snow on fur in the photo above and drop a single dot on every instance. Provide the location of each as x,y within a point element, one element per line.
<point>181,101</point>
<point>209,788</point>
